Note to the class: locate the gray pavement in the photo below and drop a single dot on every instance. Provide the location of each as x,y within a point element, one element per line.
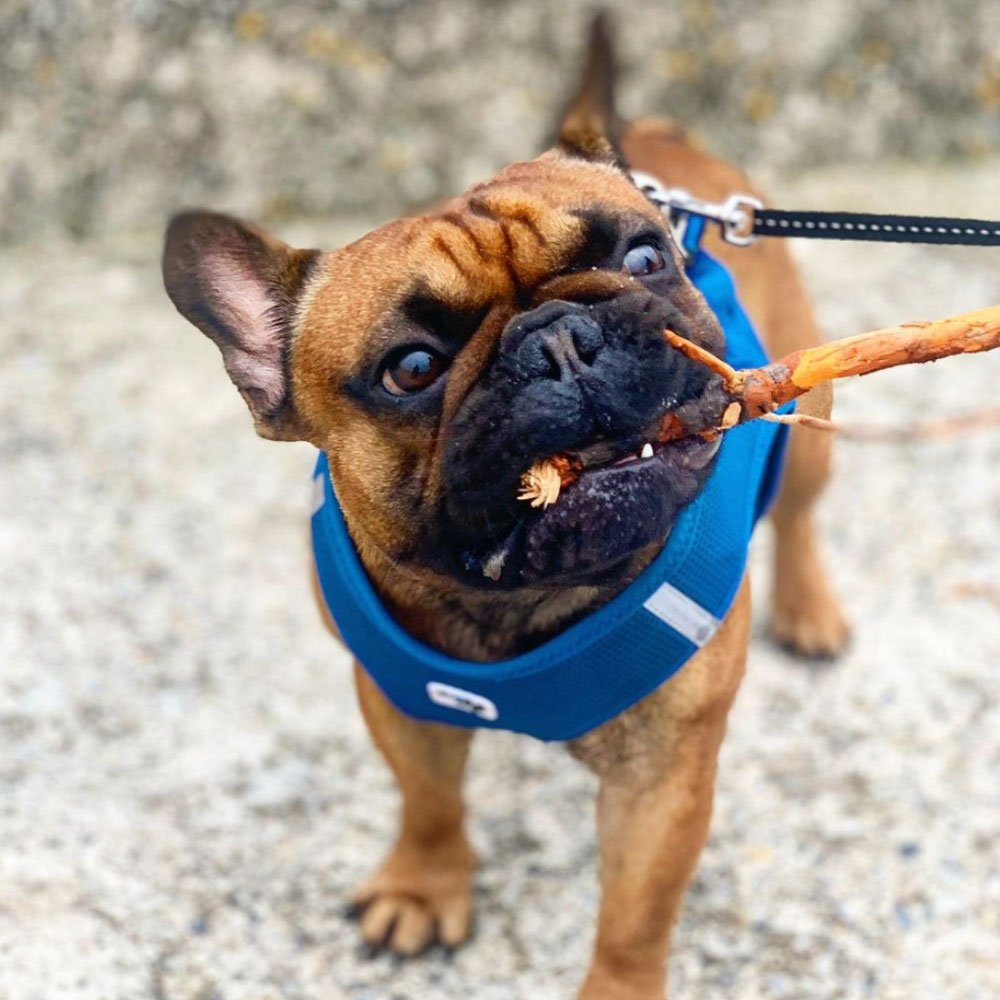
<point>186,790</point>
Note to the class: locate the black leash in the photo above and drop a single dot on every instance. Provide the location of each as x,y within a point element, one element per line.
<point>743,219</point>
<point>876,228</point>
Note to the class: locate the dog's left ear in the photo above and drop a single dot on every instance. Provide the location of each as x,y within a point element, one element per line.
<point>590,124</point>
<point>240,287</point>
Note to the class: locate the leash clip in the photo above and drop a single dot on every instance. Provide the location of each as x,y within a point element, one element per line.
<point>734,216</point>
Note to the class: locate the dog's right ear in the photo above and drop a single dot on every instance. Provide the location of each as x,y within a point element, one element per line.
<point>589,127</point>
<point>240,287</point>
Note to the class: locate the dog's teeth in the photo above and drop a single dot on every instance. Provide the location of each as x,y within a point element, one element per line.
<point>647,451</point>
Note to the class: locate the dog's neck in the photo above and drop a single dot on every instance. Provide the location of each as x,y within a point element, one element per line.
<point>485,625</point>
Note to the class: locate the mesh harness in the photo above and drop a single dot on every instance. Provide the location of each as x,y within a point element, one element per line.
<point>614,657</point>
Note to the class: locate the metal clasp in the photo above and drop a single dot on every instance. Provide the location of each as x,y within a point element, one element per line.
<point>734,216</point>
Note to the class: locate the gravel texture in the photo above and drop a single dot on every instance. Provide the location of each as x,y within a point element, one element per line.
<point>186,790</point>
<point>114,111</point>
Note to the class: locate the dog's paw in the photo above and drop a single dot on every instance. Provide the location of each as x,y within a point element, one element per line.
<point>807,620</point>
<point>416,900</point>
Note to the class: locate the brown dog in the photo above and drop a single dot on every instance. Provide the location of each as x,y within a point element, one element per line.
<point>390,354</point>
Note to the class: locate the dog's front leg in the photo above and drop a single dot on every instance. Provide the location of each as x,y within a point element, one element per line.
<point>657,766</point>
<point>422,892</point>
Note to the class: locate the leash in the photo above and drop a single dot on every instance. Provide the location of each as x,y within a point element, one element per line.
<point>742,220</point>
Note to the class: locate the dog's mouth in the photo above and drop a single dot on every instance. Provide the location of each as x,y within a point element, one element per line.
<point>692,452</point>
<point>626,498</point>
<point>591,382</point>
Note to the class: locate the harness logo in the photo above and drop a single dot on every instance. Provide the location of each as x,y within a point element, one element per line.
<point>462,701</point>
<point>682,614</point>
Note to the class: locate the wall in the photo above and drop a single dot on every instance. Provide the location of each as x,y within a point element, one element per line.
<point>115,112</point>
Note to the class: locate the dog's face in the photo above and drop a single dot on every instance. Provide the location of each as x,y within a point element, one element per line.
<point>440,356</point>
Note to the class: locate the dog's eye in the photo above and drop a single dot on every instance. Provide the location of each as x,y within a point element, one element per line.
<point>412,370</point>
<point>644,259</point>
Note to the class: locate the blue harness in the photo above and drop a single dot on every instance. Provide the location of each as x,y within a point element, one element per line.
<point>615,656</point>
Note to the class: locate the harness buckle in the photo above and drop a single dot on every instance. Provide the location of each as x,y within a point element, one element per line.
<point>734,216</point>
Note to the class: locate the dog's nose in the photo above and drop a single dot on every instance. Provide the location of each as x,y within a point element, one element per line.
<point>557,343</point>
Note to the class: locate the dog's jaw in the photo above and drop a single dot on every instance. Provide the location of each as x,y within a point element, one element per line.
<point>603,406</point>
<point>614,511</point>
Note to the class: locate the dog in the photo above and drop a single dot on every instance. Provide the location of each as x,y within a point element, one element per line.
<point>433,361</point>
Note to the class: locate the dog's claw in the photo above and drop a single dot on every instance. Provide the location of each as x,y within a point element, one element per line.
<point>416,901</point>
<point>405,926</point>
<point>367,951</point>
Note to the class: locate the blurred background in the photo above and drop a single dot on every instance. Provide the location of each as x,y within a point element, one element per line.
<point>116,110</point>
<point>187,794</point>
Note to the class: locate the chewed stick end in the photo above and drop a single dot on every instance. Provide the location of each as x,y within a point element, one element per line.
<point>540,485</point>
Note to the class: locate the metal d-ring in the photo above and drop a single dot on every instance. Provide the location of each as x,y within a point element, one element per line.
<point>734,216</point>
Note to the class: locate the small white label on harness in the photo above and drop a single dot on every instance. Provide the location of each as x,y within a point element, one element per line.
<point>463,701</point>
<point>682,614</point>
<point>318,493</point>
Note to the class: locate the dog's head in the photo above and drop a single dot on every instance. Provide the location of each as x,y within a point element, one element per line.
<point>440,356</point>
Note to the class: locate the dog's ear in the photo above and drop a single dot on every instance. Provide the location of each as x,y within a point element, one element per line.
<point>240,287</point>
<point>590,125</point>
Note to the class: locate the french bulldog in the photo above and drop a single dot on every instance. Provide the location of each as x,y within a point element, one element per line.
<point>433,361</point>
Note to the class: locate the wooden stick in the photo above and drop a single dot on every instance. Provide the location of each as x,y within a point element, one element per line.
<point>756,392</point>
<point>802,420</point>
<point>761,390</point>
<point>729,374</point>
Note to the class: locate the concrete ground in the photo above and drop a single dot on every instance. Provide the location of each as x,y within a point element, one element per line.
<point>187,793</point>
